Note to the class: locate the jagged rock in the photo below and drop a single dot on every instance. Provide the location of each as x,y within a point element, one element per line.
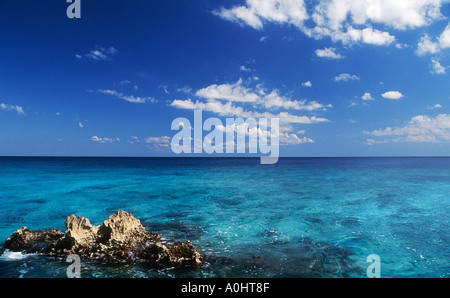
<point>120,230</point>
<point>32,241</point>
<point>177,254</point>
<point>80,232</point>
<point>123,228</point>
<point>120,238</point>
<point>184,253</point>
<point>157,254</point>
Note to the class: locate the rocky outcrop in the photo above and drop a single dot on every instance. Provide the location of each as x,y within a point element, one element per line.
<point>120,238</point>
<point>32,241</point>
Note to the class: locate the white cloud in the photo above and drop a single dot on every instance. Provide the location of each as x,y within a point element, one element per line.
<point>328,53</point>
<point>228,110</point>
<point>134,139</point>
<point>307,84</point>
<point>367,96</point>
<point>293,139</point>
<point>222,99</point>
<point>124,82</point>
<point>158,140</point>
<point>420,129</point>
<point>229,92</point>
<point>236,92</point>
<point>264,38</point>
<point>371,142</point>
<point>376,37</point>
<point>285,138</point>
<point>394,95</point>
<point>444,39</point>
<point>401,46</point>
<point>244,68</point>
<point>345,77</point>
<point>104,140</point>
<point>255,12</point>
<point>129,98</point>
<point>399,14</point>
<point>9,107</point>
<point>99,54</point>
<point>185,89</point>
<point>367,35</point>
<point>436,106</point>
<point>437,67</point>
<point>165,88</point>
<point>342,20</point>
<point>159,143</point>
<point>337,18</point>
<point>274,100</point>
<point>80,125</point>
<point>428,46</point>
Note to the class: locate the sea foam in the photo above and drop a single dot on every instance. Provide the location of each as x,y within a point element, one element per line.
<point>14,256</point>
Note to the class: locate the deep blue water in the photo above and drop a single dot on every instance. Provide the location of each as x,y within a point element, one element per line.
<point>259,216</point>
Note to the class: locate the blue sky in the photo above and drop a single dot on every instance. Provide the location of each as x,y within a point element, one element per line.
<point>346,78</point>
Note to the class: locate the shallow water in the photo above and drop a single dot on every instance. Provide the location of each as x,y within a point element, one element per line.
<point>264,221</point>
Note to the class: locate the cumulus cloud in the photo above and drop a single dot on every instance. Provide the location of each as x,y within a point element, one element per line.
<point>307,84</point>
<point>236,100</point>
<point>229,110</point>
<point>236,92</point>
<point>371,142</point>
<point>394,95</point>
<point>398,14</point>
<point>104,140</point>
<point>264,38</point>
<point>367,96</point>
<point>285,138</point>
<point>99,53</point>
<point>345,77</point>
<point>229,92</point>
<point>256,12</point>
<point>444,39</point>
<point>328,53</point>
<point>420,129</point>
<point>437,67</point>
<point>341,20</point>
<point>129,98</point>
<point>159,143</point>
<point>134,139</point>
<point>158,140</point>
<point>436,106</point>
<point>9,107</point>
<point>274,100</point>
<point>245,68</point>
<point>429,46</point>
<point>293,139</point>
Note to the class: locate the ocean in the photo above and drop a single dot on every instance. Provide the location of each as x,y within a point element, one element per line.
<point>302,217</point>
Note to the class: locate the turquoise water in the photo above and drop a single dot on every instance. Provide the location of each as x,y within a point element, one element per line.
<point>262,219</point>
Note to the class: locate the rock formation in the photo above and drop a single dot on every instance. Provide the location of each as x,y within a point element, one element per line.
<point>120,238</point>
<point>31,241</point>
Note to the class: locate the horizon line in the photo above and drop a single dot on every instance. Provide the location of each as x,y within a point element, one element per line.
<point>218,157</point>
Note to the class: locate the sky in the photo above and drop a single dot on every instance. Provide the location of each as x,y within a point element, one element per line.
<point>345,78</point>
